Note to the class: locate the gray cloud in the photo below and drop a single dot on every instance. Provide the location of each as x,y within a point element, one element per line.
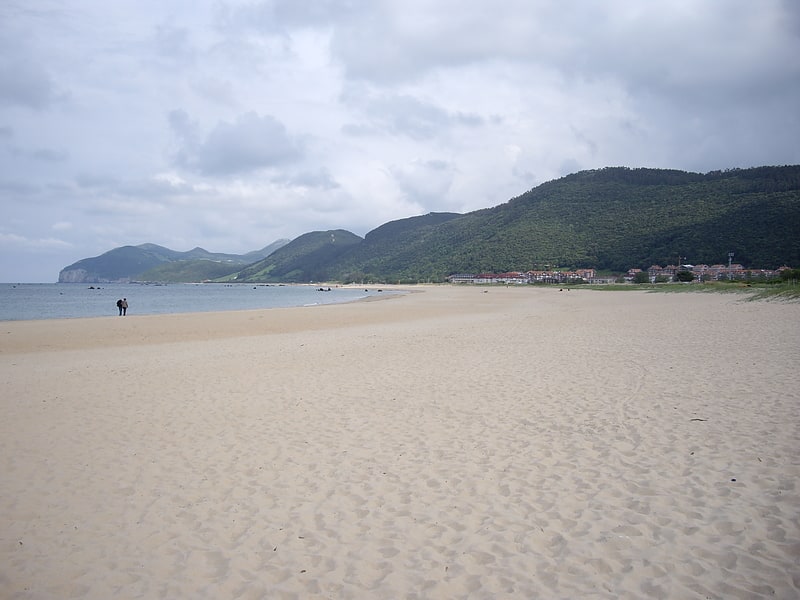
<point>402,114</point>
<point>425,182</point>
<point>26,84</point>
<point>249,143</point>
<point>321,179</point>
<point>282,16</point>
<point>218,91</point>
<point>26,75</point>
<point>313,114</point>
<point>50,155</point>
<point>174,44</point>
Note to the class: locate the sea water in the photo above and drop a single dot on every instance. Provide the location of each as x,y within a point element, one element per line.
<point>26,301</point>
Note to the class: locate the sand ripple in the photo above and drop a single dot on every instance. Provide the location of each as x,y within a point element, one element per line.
<point>520,444</point>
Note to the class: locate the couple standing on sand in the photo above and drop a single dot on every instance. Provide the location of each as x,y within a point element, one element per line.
<point>122,305</point>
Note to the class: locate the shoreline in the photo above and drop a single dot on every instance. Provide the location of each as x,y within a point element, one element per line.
<point>31,335</point>
<point>450,443</point>
<point>69,301</point>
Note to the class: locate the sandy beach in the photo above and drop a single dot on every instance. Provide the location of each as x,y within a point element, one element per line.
<point>458,442</point>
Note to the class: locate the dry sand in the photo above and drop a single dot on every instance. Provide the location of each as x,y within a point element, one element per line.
<point>454,443</point>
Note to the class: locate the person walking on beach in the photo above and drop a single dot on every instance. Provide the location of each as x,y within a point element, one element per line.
<point>119,306</point>
<point>124,306</point>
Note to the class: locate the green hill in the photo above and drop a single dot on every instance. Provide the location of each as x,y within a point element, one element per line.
<point>391,250</point>
<point>304,259</point>
<point>199,265</point>
<point>608,219</point>
<point>150,262</point>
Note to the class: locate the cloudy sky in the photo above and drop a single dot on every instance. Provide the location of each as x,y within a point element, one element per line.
<point>230,124</point>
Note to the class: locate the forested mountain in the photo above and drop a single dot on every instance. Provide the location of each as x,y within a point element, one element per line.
<point>150,262</point>
<point>617,218</point>
<point>608,219</point>
<point>316,256</point>
<point>304,259</point>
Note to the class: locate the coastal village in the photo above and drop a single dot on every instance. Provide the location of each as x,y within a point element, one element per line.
<point>655,274</point>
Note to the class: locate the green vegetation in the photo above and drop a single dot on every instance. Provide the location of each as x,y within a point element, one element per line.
<point>609,219</point>
<point>150,262</point>
<point>303,260</point>
<point>782,291</point>
<point>621,218</point>
<point>790,276</point>
<point>187,271</point>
